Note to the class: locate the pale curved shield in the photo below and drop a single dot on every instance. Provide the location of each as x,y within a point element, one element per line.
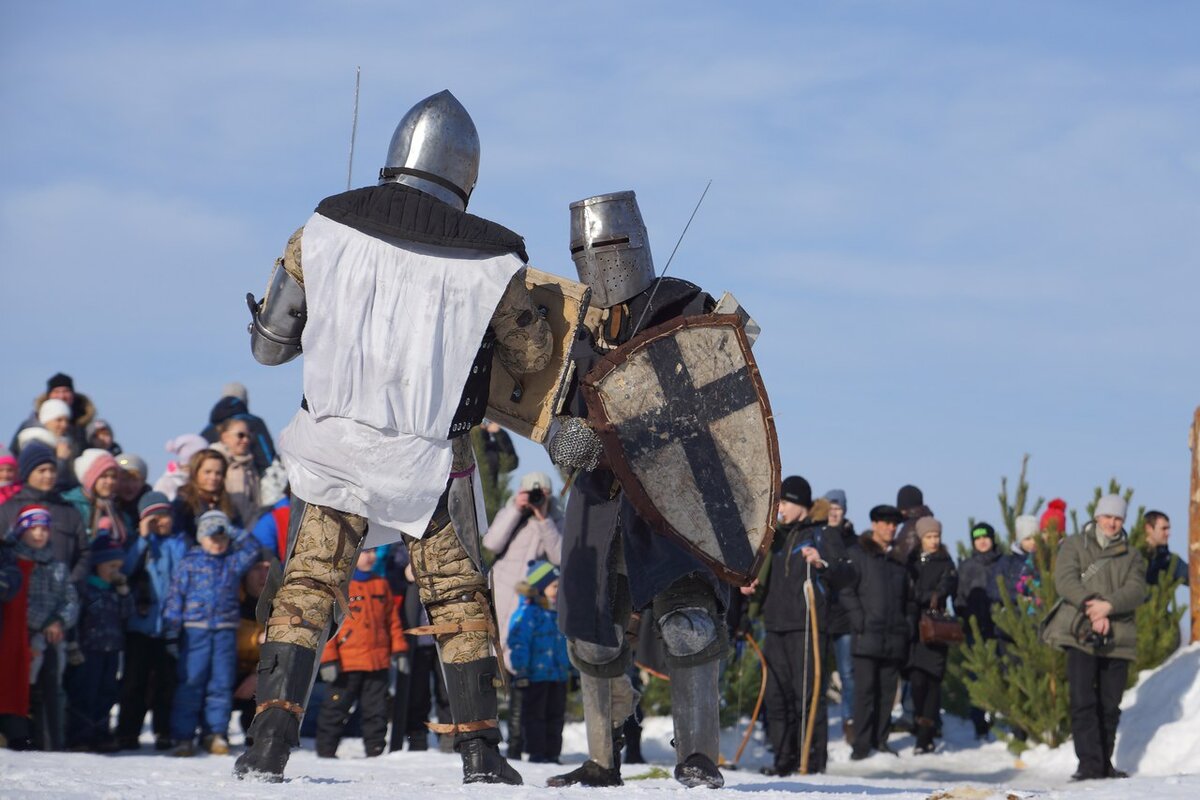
<point>688,430</point>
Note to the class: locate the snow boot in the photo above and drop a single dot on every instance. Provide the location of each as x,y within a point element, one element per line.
<point>285,678</point>
<point>699,770</point>
<point>588,774</point>
<point>471,688</point>
<point>215,744</point>
<point>779,770</point>
<point>925,729</point>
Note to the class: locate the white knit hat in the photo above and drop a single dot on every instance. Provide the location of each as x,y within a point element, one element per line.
<point>53,409</point>
<point>1027,527</point>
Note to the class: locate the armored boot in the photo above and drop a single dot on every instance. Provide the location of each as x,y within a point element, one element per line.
<point>285,677</point>
<point>695,712</point>
<point>471,689</point>
<point>602,767</point>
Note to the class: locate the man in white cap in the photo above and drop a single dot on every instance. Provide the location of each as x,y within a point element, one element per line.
<point>1102,581</point>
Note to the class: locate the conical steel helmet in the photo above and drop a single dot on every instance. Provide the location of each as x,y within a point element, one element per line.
<point>610,248</point>
<point>435,149</point>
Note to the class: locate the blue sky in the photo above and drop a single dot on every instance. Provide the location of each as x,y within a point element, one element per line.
<point>969,232</point>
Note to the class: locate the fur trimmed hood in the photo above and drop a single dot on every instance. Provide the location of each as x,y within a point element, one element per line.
<point>83,411</point>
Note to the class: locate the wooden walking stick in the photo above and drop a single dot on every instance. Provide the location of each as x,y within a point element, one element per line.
<point>810,598</point>
<point>762,690</point>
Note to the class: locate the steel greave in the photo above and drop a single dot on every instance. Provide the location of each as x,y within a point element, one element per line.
<point>598,717</point>
<point>695,710</point>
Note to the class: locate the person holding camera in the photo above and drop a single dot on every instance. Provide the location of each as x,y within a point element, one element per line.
<point>1101,581</point>
<point>527,529</point>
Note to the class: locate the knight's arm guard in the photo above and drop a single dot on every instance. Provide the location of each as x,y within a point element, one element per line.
<point>277,321</point>
<point>523,342</point>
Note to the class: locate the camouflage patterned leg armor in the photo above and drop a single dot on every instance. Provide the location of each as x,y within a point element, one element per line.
<point>455,595</point>
<point>317,572</point>
<point>326,544</point>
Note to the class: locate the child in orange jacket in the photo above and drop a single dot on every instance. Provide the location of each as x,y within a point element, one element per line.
<point>355,662</point>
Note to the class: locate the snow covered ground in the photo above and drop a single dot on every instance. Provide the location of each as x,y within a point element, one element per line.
<point>1159,742</point>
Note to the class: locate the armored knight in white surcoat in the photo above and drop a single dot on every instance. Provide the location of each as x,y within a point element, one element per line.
<point>398,300</point>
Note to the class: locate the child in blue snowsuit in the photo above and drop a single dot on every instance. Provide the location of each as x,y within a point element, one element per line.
<point>537,653</point>
<point>201,616</point>
<point>92,686</point>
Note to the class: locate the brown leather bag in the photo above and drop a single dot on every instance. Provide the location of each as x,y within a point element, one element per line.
<point>938,627</point>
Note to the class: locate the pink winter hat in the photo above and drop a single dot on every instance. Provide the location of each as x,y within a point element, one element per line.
<point>91,464</point>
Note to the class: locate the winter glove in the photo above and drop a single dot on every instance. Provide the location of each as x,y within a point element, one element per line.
<point>74,654</point>
<point>575,445</point>
<point>330,672</point>
<point>173,648</point>
<point>521,683</point>
<point>402,663</point>
<point>121,584</point>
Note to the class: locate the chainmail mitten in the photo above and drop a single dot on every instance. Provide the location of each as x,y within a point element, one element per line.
<point>576,445</point>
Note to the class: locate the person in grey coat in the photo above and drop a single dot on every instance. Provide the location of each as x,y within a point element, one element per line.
<point>1101,581</point>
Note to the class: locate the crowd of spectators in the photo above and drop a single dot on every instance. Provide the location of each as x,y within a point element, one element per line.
<point>119,593</point>
<point>124,597</point>
<point>865,598</point>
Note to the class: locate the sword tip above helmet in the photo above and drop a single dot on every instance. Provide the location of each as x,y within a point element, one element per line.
<point>435,149</point>
<point>610,248</point>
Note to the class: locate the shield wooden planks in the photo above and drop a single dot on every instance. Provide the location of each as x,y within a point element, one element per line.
<point>526,404</point>
<point>688,430</point>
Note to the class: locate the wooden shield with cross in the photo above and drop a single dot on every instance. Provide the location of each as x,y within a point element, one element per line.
<point>688,430</point>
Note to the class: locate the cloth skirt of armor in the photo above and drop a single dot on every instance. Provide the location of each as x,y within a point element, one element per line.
<point>592,582</point>
<point>452,587</point>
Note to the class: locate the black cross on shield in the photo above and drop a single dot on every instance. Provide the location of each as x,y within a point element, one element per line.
<point>688,430</point>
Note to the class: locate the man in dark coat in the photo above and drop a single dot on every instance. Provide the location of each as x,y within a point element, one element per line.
<point>910,501</point>
<point>803,549</point>
<point>882,611</point>
<point>1163,564</point>
<point>840,537</point>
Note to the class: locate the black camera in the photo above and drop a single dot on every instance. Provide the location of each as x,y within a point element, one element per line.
<point>537,496</point>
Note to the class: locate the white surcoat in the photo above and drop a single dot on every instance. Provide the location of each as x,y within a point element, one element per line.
<point>393,329</point>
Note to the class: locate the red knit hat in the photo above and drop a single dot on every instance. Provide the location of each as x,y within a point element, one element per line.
<point>1055,514</point>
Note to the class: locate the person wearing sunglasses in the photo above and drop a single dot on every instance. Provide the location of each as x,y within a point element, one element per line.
<point>242,480</point>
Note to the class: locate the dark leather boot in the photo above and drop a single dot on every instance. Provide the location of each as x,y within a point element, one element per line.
<point>925,729</point>
<point>516,742</point>
<point>589,774</point>
<point>285,677</point>
<point>471,689</point>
